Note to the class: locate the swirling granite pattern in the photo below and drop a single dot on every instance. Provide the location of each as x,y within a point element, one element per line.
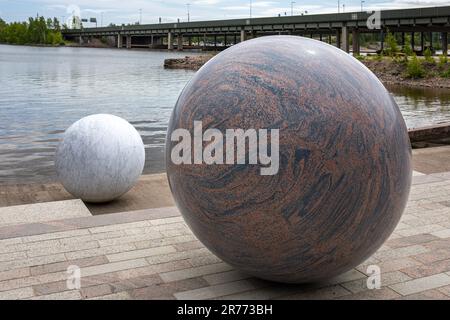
<point>100,158</point>
<point>345,160</point>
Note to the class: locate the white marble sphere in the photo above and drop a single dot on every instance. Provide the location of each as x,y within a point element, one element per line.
<point>100,158</point>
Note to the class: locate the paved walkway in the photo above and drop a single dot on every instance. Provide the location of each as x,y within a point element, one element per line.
<point>151,254</point>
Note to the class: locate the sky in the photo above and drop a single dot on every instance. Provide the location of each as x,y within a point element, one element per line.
<point>149,11</point>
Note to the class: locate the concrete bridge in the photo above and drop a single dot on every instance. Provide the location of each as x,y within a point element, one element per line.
<point>339,29</point>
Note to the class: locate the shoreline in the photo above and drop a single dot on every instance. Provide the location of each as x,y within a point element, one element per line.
<point>387,70</point>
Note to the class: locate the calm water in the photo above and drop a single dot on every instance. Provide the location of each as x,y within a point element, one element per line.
<point>45,90</point>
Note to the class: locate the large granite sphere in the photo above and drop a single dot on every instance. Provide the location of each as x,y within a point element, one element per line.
<point>344,160</point>
<point>100,158</point>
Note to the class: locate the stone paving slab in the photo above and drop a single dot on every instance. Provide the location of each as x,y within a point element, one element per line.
<point>151,254</point>
<point>41,212</point>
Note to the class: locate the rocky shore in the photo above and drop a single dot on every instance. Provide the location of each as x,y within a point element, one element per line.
<point>188,62</point>
<point>389,71</point>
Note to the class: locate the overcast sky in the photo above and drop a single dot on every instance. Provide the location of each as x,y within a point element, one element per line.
<point>128,11</point>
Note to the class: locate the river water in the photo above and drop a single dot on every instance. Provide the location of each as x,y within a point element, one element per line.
<point>45,90</point>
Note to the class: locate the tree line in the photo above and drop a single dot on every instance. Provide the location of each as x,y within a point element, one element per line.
<point>34,31</point>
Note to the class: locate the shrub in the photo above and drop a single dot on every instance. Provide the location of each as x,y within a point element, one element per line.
<point>392,45</point>
<point>443,60</point>
<point>407,49</point>
<point>428,56</point>
<point>446,74</point>
<point>414,68</point>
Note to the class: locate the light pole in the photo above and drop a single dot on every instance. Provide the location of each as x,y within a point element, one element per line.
<point>140,16</point>
<point>362,5</point>
<point>188,5</point>
<point>251,8</point>
<point>101,19</point>
<point>339,6</point>
<point>343,8</point>
<point>292,7</point>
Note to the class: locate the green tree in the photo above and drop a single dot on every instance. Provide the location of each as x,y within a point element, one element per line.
<point>428,56</point>
<point>414,68</point>
<point>35,31</point>
<point>407,49</point>
<point>392,44</point>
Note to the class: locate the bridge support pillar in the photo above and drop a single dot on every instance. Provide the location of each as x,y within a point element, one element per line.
<point>444,36</point>
<point>119,41</point>
<point>180,42</point>
<point>243,36</point>
<point>170,41</point>
<point>128,42</point>
<point>345,39</point>
<point>338,38</point>
<point>355,43</point>
<point>422,42</point>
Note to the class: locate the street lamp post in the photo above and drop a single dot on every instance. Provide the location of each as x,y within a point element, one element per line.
<point>339,6</point>
<point>362,5</point>
<point>188,5</point>
<point>251,4</point>
<point>292,7</point>
<point>101,19</point>
<point>140,16</point>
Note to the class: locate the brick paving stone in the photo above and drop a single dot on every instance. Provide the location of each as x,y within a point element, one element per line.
<point>16,294</point>
<point>422,284</point>
<point>50,288</point>
<point>115,296</point>
<point>391,265</point>
<point>143,253</point>
<point>443,234</point>
<point>376,294</point>
<point>400,252</point>
<point>194,272</point>
<point>99,251</point>
<point>30,262</point>
<point>432,256</point>
<point>62,248</point>
<point>427,295</point>
<point>168,290</point>
<point>420,230</point>
<point>220,290</point>
<point>144,244</point>
<point>411,240</point>
<point>61,266</point>
<point>14,274</point>
<point>224,277</point>
<point>112,267</point>
<point>153,269</point>
<point>66,295</point>
<point>428,269</point>
<point>57,235</point>
<point>178,256</point>
<point>326,293</point>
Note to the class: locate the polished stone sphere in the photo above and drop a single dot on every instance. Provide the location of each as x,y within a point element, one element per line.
<point>100,158</point>
<point>344,160</point>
